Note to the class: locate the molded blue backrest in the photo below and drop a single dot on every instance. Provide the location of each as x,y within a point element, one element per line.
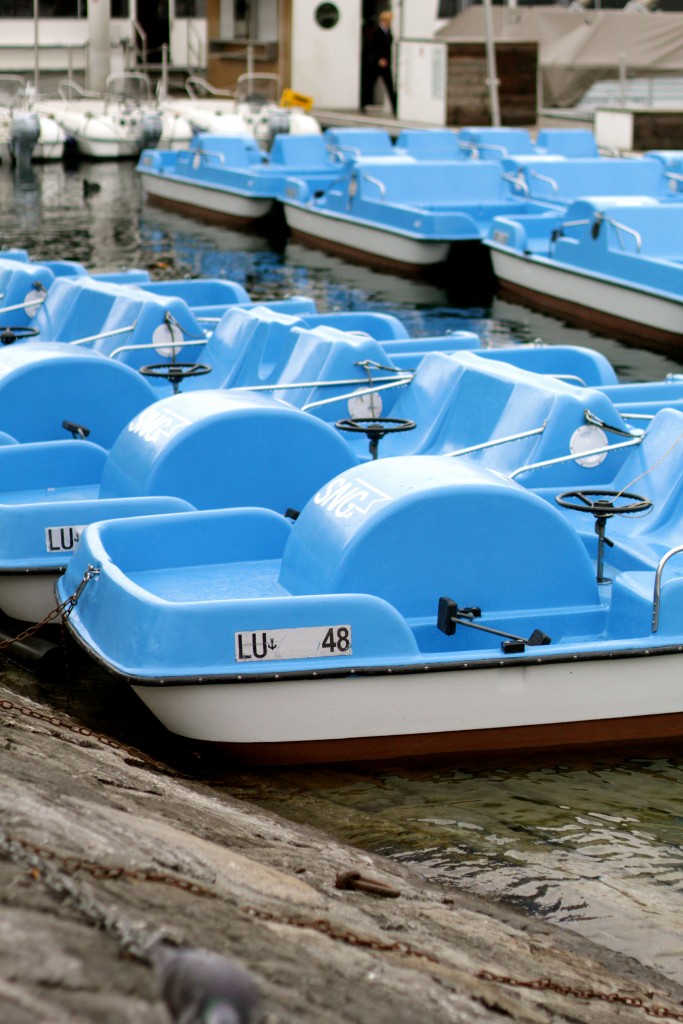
<point>464,399</point>
<point>567,141</point>
<point>595,177</point>
<point>250,346</point>
<point>82,307</point>
<point>300,151</point>
<point>500,141</point>
<point>41,385</point>
<point>427,182</point>
<point>327,354</point>
<point>430,144</point>
<point>20,282</point>
<point>360,141</point>
<point>221,449</point>
<point>234,150</point>
<point>582,366</point>
<point>202,291</point>
<point>381,326</point>
<point>410,530</point>
<point>655,470</point>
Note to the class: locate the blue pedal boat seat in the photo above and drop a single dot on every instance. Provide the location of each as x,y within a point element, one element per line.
<point>44,385</point>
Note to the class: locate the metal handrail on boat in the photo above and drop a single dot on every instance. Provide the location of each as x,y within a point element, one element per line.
<point>376,181</point>
<point>211,152</point>
<point>625,228</point>
<point>155,346</point>
<point>577,455</point>
<point>544,177</point>
<point>518,181</point>
<point>356,393</point>
<point>38,301</point>
<point>656,597</point>
<point>104,334</point>
<point>495,442</point>
<point>673,177</point>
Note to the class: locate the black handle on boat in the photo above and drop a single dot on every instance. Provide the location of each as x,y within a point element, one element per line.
<point>375,427</point>
<point>175,372</point>
<point>449,616</point>
<point>77,431</point>
<point>603,505</point>
<point>8,335</point>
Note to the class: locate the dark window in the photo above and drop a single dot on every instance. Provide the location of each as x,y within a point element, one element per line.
<point>190,8</point>
<point>46,8</point>
<point>327,15</point>
<point>120,8</point>
<point>449,8</point>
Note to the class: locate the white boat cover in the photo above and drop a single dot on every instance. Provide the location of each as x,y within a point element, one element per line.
<point>577,48</point>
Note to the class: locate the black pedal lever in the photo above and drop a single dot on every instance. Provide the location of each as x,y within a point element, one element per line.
<point>449,616</point>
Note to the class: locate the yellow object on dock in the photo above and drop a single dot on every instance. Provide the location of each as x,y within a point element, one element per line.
<point>290,98</point>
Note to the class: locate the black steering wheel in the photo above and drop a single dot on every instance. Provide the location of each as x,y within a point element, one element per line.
<point>8,335</point>
<point>600,503</point>
<point>175,372</point>
<point>374,428</point>
<point>603,505</point>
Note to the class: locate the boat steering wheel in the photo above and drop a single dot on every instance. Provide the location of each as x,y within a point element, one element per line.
<point>8,335</point>
<point>601,505</point>
<point>374,428</point>
<point>175,372</point>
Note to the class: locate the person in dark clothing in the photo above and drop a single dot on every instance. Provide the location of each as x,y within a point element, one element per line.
<point>377,61</point>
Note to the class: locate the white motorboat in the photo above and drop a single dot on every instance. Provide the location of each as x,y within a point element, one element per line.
<point>115,126</point>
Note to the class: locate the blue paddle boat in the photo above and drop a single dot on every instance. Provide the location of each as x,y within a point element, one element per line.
<point>402,213</point>
<point>417,605</point>
<point>611,264</point>
<point>228,178</point>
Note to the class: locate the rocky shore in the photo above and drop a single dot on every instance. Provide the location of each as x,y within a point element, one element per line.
<point>103,850</point>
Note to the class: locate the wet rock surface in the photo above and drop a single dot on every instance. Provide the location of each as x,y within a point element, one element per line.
<point>104,850</point>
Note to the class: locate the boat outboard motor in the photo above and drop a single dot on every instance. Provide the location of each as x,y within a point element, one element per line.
<point>273,121</point>
<point>150,130</point>
<point>24,133</point>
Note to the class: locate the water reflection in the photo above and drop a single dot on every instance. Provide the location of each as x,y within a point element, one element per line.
<point>594,846</point>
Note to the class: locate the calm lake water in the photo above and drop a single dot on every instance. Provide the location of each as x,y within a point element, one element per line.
<point>592,844</point>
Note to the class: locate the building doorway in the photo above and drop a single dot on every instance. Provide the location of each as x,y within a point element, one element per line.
<point>154,19</point>
<point>370,94</point>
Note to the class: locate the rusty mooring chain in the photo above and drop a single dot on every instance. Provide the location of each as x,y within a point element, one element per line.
<point>548,985</point>
<point>82,730</point>
<point>130,938</point>
<point>62,610</point>
<point>104,872</point>
<point>325,927</point>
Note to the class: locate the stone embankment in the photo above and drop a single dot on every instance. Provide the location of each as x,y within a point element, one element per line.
<point>103,850</point>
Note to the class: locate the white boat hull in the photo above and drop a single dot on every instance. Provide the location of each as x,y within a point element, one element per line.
<point>28,596</point>
<point>214,203</point>
<point>589,301</point>
<point>381,245</point>
<point>547,705</point>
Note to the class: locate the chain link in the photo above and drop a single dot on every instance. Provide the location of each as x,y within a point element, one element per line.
<point>133,938</point>
<point>64,610</point>
<point>325,927</point>
<point>548,985</point>
<point>104,872</point>
<point>82,730</point>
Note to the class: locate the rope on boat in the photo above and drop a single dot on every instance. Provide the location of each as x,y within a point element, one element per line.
<point>654,465</point>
